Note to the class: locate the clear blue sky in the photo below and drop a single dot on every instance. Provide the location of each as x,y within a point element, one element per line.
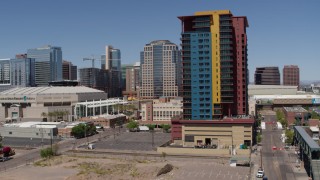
<point>280,31</point>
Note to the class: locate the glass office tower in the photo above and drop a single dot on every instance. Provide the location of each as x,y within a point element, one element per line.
<point>48,64</point>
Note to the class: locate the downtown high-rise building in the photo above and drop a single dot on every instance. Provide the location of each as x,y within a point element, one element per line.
<point>18,72</point>
<point>22,72</point>
<point>48,64</point>
<point>69,71</point>
<point>5,72</point>
<point>291,75</point>
<point>160,64</point>
<point>94,78</point>
<point>267,76</point>
<point>111,62</point>
<point>214,63</point>
<point>132,80</point>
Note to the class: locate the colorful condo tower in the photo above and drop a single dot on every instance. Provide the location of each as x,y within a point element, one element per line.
<point>215,69</point>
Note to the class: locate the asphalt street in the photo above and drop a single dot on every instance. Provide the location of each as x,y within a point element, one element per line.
<point>275,162</point>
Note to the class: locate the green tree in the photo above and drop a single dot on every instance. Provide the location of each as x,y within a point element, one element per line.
<point>314,115</point>
<point>281,118</point>
<point>166,127</point>
<point>78,131</point>
<point>279,114</point>
<point>259,138</point>
<point>151,126</point>
<point>83,130</point>
<point>289,136</point>
<point>132,125</point>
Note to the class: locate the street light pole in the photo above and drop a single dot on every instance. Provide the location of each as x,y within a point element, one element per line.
<point>51,133</point>
<point>152,134</point>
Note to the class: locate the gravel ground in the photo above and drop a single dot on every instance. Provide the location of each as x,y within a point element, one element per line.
<point>74,168</point>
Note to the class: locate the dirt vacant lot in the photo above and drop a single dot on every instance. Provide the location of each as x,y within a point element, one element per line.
<point>83,168</point>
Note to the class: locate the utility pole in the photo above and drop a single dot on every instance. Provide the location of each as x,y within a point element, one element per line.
<point>51,133</point>
<point>87,135</point>
<point>231,143</point>
<point>152,134</point>
<point>261,157</point>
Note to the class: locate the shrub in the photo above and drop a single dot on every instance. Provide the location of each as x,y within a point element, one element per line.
<point>46,153</point>
<point>132,125</point>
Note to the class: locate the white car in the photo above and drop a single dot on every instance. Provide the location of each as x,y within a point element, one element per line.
<point>260,173</point>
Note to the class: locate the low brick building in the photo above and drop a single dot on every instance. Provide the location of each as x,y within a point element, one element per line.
<point>105,120</point>
<point>295,115</point>
<point>313,122</point>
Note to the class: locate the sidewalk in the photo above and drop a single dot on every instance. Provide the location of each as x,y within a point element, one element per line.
<point>256,160</point>
<point>297,168</point>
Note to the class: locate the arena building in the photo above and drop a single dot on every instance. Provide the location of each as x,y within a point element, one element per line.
<point>35,103</point>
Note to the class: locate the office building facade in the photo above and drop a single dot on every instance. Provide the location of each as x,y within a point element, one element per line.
<point>267,76</point>
<point>111,62</point>
<point>160,62</point>
<point>22,72</point>
<point>132,80</point>
<point>162,109</point>
<point>94,78</point>
<point>17,72</point>
<point>48,64</point>
<point>214,63</point>
<point>291,75</point>
<point>5,72</point>
<point>69,71</point>
<point>123,75</point>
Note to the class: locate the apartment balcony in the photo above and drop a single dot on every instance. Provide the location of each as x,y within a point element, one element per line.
<point>201,20</point>
<point>201,24</point>
<point>227,95</point>
<point>217,112</point>
<point>226,77</point>
<point>226,23</point>
<point>225,19</point>
<point>226,89</point>
<point>225,30</point>
<point>226,36</point>
<point>226,42</point>
<point>185,38</point>
<point>226,101</point>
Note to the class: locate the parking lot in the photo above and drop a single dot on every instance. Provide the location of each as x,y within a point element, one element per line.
<point>137,141</point>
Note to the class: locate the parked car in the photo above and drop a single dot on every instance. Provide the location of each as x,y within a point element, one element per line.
<point>260,173</point>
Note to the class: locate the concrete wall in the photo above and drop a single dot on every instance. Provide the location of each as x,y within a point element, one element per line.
<point>28,132</point>
<point>170,150</point>
<point>2,113</point>
<point>271,90</point>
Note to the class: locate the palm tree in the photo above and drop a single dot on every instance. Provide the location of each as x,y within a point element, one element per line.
<point>44,115</point>
<point>67,113</point>
<point>50,114</point>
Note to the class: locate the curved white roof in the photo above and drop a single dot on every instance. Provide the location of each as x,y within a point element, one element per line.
<point>50,90</point>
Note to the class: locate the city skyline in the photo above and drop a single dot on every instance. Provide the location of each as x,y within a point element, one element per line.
<point>280,33</point>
